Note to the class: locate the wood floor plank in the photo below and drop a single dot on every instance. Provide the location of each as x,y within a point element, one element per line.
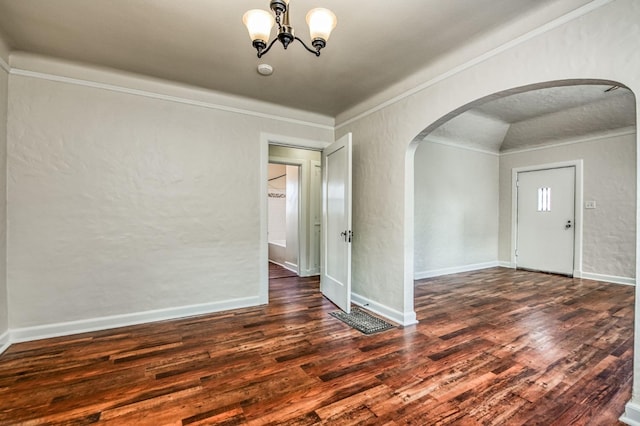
<point>492,347</point>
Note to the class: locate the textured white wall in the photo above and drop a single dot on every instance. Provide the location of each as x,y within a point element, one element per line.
<point>4,309</point>
<point>456,207</point>
<point>121,204</point>
<point>609,231</point>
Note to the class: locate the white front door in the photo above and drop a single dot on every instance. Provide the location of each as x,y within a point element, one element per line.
<point>546,220</point>
<point>335,278</point>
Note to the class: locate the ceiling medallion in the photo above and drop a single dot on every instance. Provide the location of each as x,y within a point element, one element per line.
<point>259,23</point>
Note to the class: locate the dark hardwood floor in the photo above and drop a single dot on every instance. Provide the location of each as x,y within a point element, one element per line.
<point>493,347</point>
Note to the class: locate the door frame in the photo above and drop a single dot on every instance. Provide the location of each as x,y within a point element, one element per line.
<point>578,211</point>
<point>267,139</point>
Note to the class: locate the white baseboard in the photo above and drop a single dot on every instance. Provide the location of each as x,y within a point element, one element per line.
<point>631,414</point>
<point>104,323</point>
<point>310,272</point>
<point>606,278</point>
<point>405,319</point>
<point>504,264</point>
<point>5,341</point>
<point>284,265</point>
<point>455,270</point>
<point>291,266</point>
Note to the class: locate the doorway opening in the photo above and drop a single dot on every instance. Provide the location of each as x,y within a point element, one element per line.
<point>294,209</point>
<point>324,180</point>
<point>580,121</point>
<point>464,208</point>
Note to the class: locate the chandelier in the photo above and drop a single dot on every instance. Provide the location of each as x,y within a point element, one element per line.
<point>259,23</point>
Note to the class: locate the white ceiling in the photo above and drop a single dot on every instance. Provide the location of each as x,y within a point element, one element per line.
<point>204,43</point>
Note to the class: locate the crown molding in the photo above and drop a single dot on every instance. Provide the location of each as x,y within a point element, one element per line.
<point>164,97</point>
<point>4,65</point>
<point>625,131</point>
<point>453,144</point>
<point>551,25</point>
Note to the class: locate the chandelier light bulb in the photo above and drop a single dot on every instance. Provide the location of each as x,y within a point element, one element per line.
<point>321,22</point>
<point>259,24</point>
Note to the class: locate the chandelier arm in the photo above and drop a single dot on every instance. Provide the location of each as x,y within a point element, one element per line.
<point>263,52</point>
<point>314,51</point>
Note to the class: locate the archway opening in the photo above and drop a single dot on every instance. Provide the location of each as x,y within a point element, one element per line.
<point>462,220</point>
<point>463,191</point>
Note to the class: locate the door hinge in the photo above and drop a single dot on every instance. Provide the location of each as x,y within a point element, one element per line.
<point>516,252</point>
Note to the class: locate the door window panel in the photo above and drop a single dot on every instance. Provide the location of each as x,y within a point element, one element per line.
<point>544,199</point>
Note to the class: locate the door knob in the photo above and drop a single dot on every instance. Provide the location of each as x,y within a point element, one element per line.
<point>568,225</point>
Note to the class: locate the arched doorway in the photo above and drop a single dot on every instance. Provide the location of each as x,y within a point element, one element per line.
<point>463,175</point>
<point>463,184</point>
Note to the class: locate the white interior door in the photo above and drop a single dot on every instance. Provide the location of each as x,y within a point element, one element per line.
<point>335,278</point>
<point>546,220</point>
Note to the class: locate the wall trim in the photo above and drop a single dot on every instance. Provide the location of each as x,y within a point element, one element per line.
<point>452,144</point>
<point>504,264</point>
<point>5,341</point>
<point>623,131</point>
<point>551,25</point>
<point>160,96</point>
<point>404,319</point>
<point>284,265</point>
<point>291,266</point>
<point>310,272</point>
<point>606,278</point>
<point>104,323</point>
<point>631,415</point>
<point>455,269</point>
<point>5,66</point>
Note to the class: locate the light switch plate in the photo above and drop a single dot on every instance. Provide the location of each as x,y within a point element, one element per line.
<point>590,205</point>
